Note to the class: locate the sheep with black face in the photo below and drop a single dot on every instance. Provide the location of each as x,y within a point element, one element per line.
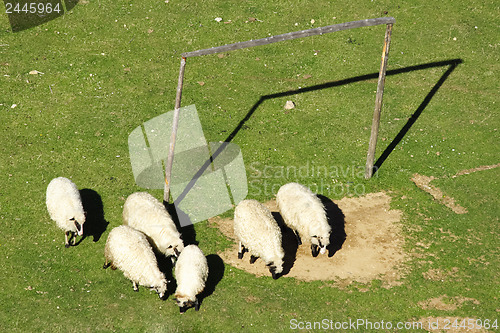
<point>191,272</point>
<point>129,250</point>
<point>144,212</point>
<point>304,213</point>
<point>258,232</point>
<point>65,207</point>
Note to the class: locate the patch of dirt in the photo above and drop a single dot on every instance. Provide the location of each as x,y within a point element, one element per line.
<point>436,274</point>
<point>452,325</point>
<point>423,182</point>
<point>445,303</point>
<point>366,244</point>
<point>481,168</point>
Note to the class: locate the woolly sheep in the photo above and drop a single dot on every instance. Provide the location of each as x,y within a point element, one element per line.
<point>65,207</point>
<point>191,272</point>
<point>129,250</point>
<point>144,212</point>
<point>258,232</point>
<point>304,213</point>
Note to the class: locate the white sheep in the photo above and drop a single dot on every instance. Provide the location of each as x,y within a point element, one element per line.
<point>191,272</point>
<point>258,232</point>
<point>304,213</point>
<point>65,207</point>
<point>144,212</point>
<point>129,250</point>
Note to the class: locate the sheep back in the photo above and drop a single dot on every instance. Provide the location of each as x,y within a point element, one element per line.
<point>191,272</point>
<point>64,203</point>
<point>256,228</point>
<point>144,212</point>
<point>129,250</point>
<point>303,212</point>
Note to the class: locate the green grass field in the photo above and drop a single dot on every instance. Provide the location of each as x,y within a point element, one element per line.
<point>110,66</point>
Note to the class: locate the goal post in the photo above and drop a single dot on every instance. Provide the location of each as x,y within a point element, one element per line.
<point>388,21</point>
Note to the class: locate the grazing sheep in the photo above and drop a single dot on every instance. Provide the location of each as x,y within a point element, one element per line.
<point>129,250</point>
<point>257,231</point>
<point>65,207</point>
<point>144,212</point>
<point>304,213</point>
<point>191,272</point>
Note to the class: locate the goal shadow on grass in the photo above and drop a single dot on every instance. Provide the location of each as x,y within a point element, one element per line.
<point>451,64</point>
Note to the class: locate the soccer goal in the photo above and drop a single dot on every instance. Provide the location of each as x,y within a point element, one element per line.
<point>388,21</point>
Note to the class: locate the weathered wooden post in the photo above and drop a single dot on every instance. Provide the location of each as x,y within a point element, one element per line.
<point>175,124</point>
<point>378,104</point>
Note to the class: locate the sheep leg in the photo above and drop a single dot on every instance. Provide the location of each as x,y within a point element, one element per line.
<point>314,250</point>
<point>66,241</point>
<point>106,264</point>
<point>241,251</point>
<point>299,242</point>
<point>196,305</point>
<point>253,259</point>
<point>134,284</point>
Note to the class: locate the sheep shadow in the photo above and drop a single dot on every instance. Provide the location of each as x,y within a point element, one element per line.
<point>336,219</point>
<point>95,224</point>
<point>166,266</point>
<point>216,270</point>
<point>188,233</point>
<point>288,242</point>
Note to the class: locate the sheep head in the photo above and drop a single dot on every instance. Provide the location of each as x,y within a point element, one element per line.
<point>319,244</point>
<point>78,226</point>
<point>275,270</point>
<point>162,289</point>
<point>185,302</point>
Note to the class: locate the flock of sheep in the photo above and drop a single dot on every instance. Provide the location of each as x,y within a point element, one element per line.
<point>148,228</point>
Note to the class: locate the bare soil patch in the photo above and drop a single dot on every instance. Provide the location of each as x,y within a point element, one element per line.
<point>445,303</point>
<point>481,168</point>
<point>366,244</point>
<point>437,274</point>
<point>423,182</point>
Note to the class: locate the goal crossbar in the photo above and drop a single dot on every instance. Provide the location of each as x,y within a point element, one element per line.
<point>291,35</point>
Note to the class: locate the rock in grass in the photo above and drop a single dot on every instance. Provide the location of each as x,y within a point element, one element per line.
<point>289,105</point>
